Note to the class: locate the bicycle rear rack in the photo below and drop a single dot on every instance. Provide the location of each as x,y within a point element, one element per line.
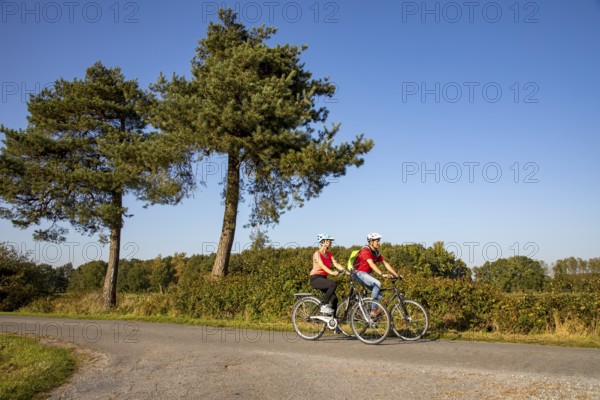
<point>300,295</point>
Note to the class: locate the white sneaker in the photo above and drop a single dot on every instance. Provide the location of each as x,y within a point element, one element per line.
<point>326,309</point>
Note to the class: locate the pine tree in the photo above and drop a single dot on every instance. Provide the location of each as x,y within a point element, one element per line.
<point>256,105</point>
<point>84,149</point>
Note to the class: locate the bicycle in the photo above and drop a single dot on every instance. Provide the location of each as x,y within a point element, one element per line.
<point>410,320</point>
<point>368,327</point>
<point>355,318</point>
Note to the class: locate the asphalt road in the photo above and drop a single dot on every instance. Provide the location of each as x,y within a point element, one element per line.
<point>135,360</point>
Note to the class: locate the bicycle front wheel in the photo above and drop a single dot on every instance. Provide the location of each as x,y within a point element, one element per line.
<point>370,321</point>
<point>412,324</point>
<point>305,325</point>
<point>343,316</point>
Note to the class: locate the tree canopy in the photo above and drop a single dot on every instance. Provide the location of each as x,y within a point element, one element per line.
<point>514,274</point>
<point>256,104</point>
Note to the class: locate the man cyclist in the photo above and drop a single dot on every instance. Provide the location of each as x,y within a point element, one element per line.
<point>322,266</point>
<point>365,264</point>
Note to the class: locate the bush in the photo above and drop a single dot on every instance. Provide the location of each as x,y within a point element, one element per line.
<point>21,280</point>
<point>546,312</point>
<point>260,286</point>
<point>454,304</point>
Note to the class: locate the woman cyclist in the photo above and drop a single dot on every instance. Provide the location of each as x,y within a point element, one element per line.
<point>322,262</point>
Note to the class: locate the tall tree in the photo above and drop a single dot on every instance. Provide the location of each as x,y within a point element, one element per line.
<point>84,149</point>
<point>257,105</point>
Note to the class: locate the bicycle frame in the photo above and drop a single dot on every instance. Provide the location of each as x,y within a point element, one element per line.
<point>354,296</point>
<point>314,313</point>
<point>396,295</point>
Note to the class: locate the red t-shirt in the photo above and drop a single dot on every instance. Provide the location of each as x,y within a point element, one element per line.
<point>361,263</point>
<point>317,270</point>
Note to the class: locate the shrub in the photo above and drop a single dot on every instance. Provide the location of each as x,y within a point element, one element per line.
<point>454,304</point>
<point>21,280</point>
<point>545,312</point>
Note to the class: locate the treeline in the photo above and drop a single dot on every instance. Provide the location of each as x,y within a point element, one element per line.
<point>277,273</point>
<point>161,273</point>
<point>572,266</point>
<point>518,274</point>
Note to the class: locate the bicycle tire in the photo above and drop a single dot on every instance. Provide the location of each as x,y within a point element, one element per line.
<point>306,327</point>
<point>366,329</point>
<point>412,326</point>
<point>343,317</point>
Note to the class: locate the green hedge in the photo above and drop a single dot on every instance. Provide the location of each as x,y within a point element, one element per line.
<point>261,287</point>
<point>549,312</point>
<point>261,284</point>
<point>255,289</point>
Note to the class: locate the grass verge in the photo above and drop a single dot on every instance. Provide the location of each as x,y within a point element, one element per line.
<point>28,369</point>
<point>545,339</point>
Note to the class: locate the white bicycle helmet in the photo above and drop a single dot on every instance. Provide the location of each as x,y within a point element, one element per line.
<point>373,236</point>
<point>324,236</point>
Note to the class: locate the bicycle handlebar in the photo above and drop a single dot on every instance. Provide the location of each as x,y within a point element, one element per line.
<point>393,278</point>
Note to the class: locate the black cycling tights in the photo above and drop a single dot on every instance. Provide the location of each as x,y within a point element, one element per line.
<point>326,286</point>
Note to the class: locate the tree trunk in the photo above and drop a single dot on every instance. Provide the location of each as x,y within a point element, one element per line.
<point>232,197</point>
<point>109,292</point>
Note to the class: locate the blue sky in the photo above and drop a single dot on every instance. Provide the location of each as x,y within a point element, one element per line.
<point>485,117</point>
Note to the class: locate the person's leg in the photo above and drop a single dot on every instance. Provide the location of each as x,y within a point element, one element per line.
<point>334,301</point>
<point>373,284</point>
<point>326,286</point>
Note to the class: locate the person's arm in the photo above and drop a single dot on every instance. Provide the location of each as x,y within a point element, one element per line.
<point>374,267</point>
<point>317,259</point>
<point>390,268</point>
<point>336,264</point>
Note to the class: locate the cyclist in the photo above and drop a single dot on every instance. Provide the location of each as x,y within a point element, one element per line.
<point>322,262</point>
<point>365,264</point>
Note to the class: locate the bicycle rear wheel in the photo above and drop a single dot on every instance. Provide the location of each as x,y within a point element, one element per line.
<point>370,330</point>
<point>411,325</point>
<point>303,313</point>
<point>343,316</point>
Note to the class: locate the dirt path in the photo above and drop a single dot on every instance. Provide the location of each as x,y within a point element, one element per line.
<point>135,360</point>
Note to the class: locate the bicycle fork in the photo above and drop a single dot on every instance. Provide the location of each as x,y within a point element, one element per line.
<point>407,317</point>
<point>366,315</point>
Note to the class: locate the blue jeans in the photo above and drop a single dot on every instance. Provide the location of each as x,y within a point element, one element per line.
<point>373,284</point>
